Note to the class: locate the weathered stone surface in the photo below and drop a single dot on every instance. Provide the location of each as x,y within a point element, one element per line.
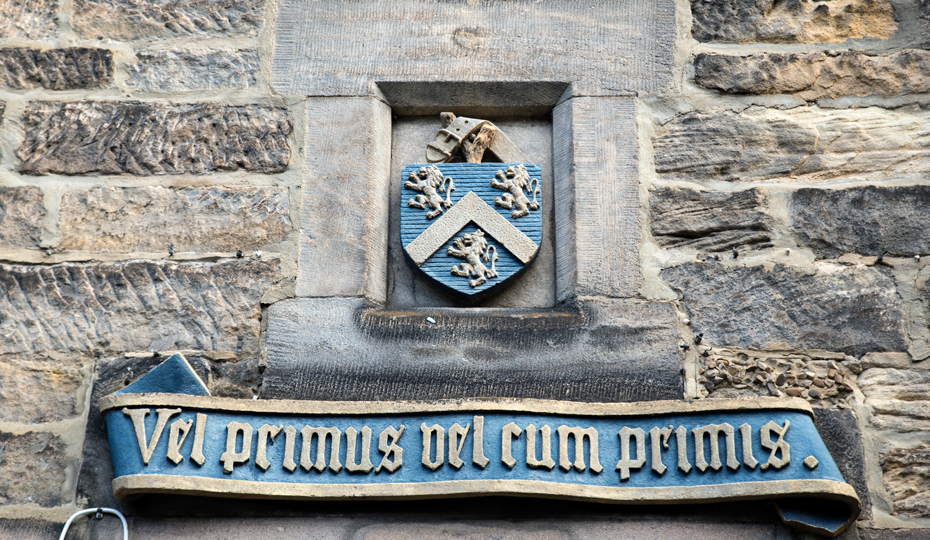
<point>73,68</point>
<point>685,218</point>
<point>109,137</point>
<point>150,219</point>
<point>923,10</point>
<point>838,308</point>
<point>129,20</point>
<point>802,144</point>
<point>867,220</point>
<point>34,19</point>
<point>21,214</point>
<point>179,71</point>
<point>792,21</point>
<point>423,41</point>
<point>892,534</point>
<point>841,434</point>
<point>28,529</point>
<point>33,469</point>
<point>906,475</point>
<point>899,399</point>
<point>816,75</point>
<point>601,351</point>
<point>35,391</point>
<point>69,310</point>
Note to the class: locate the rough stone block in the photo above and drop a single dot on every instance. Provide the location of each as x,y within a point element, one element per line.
<point>344,213</point>
<point>21,214</point>
<point>129,20</point>
<point>180,71</point>
<point>619,350</point>
<point>794,21</point>
<point>109,137</point>
<point>422,40</point>
<point>597,230</point>
<point>892,534</point>
<point>34,469</point>
<point>685,218</point>
<point>816,75</point>
<point>841,434</point>
<point>899,399</point>
<point>804,144</point>
<point>32,19</point>
<point>34,392</point>
<point>150,219</point>
<point>838,308</point>
<point>867,220</point>
<point>102,308</point>
<point>74,68</point>
<point>28,529</point>
<point>906,475</point>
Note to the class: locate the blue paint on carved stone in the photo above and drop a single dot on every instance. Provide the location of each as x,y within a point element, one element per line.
<point>173,376</point>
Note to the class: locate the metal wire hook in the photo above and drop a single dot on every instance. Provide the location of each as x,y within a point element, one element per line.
<point>98,514</point>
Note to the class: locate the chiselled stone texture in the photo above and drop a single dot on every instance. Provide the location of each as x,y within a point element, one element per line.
<point>711,221</point>
<point>816,75</point>
<point>33,469</point>
<point>129,20</point>
<point>151,219</point>
<point>899,399</point>
<point>103,308</point>
<point>179,71</point>
<point>867,220</point>
<point>34,19</point>
<point>790,21</point>
<point>618,350</point>
<point>837,308</point>
<point>802,144</point>
<point>36,391</point>
<point>109,137</point>
<point>21,213</point>
<point>892,534</point>
<point>906,475</point>
<point>73,68</point>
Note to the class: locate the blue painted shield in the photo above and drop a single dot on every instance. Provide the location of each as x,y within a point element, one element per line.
<point>471,229</point>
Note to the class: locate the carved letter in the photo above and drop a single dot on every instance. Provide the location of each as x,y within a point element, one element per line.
<point>366,465</point>
<point>427,445</point>
<point>579,434</point>
<point>626,464</point>
<point>230,457</point>
<point>457,436</point>
<point>138,422</point>
<point>197,453</point>
<point>682,435</point>
<point>389,449</point>
<point>745,432</point>
<point>307,434</point>
<point>176,436</point>
<point>266,433</point>
<point>477,444</point>
<point>546,462</point>
<point>659,439</point>
<point>780,444</point>
<point>510,432</point>
<point>290,440</point>
<point>714,431</point>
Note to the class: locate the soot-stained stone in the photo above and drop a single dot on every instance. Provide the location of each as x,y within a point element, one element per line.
<point>74,68</point>
<point>841,434</point>
<point>867,220</point>
<point>33,469</point>
<point>108,137</point>
<point>906,475</point>
<point>838,308</point>
<point>711,221</point>
<point>21,214</point>
<point>130,20</point>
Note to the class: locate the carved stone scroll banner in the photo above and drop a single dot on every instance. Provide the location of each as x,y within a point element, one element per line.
<point>661,452</point>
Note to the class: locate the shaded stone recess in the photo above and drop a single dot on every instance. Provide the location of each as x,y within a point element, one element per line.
<point>73,68</point>
<point>69,310</point>
<point>130,20</point>
<point>867,220</point>
<point>109,137</point>
<point>35,391</point>
<point>33,469</point>
<point>906,474</point>
<point>21,214</point>
<point>838,308</point>
<point>710,221</point>
<point>816,75</point>
<point>152,219</point>
<point>840,432</point>
<point>791,21</point>
<point>598,351</point>
<point>34,19</point>
<point>801,144</point>
<point>181,71</point>
<point>899,399</point>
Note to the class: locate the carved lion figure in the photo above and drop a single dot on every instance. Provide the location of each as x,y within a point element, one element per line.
<point>428,180</point>
<point>473,247</point>
<point>514,181</point>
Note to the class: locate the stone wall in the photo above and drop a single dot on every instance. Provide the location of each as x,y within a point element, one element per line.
<point>765,230</point>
